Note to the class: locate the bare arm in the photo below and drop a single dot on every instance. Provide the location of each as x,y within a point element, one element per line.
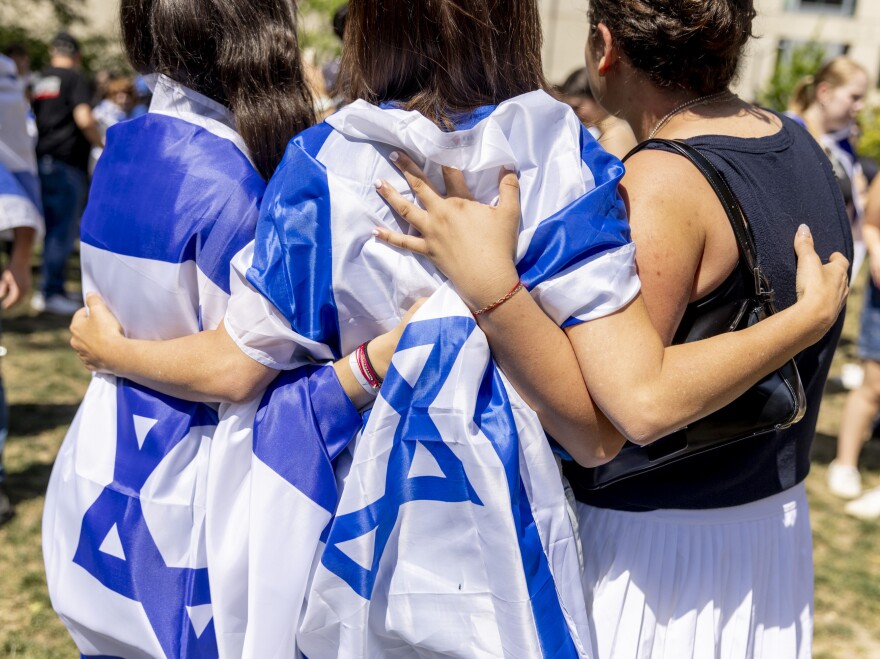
<point>15,282</point>
<point>204,367</point>
<point>645,389</point>
<point>85,121</point>
<point>533,352</point>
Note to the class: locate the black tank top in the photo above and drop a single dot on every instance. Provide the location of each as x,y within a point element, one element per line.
<point>780,181</point>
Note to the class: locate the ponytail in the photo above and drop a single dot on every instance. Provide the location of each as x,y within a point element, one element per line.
<point>803,95</point>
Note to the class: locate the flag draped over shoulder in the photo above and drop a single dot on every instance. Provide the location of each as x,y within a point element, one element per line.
<point>20,204</point>
<point>442,529</point>
<point>124,538</point>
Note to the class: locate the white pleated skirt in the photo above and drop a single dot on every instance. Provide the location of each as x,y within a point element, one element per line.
<point>729,583</point>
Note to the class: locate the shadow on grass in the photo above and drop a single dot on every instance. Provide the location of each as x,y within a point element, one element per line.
<point>30,323</point>
<point>29,419</point>
<point>30,483</point>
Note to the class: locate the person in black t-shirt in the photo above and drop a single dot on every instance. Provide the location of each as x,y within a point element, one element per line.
<point>67,130</point>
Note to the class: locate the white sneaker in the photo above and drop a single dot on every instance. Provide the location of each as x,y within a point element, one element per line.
<point>38,302</point>
<point>60,305</point>
<point>843,481</point>
<point>865,507</point>
<point>852,376</point>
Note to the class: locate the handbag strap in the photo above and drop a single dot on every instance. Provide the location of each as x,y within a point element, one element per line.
<point>738,221</point>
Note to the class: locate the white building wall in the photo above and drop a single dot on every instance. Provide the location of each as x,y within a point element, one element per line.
<point>103,16</point>
<point>565,32</point>
<point>565,35</point>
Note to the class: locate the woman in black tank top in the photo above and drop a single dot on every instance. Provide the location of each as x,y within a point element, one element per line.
<point>712,555</point>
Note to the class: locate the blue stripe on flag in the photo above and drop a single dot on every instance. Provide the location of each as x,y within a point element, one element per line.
<point>303,423</point>
<point>494,417</point>
<point>293,255</point>
<point>30,183</point>
<point>593,223</point>
<point>167,190</point>
<point>20,184</point>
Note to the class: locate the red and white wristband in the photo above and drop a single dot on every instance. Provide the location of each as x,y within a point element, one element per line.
<point>363,370</point>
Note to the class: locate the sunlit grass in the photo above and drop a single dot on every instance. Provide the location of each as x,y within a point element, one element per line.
<point>45,384</point>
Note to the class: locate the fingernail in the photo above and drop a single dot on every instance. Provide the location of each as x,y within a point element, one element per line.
<point>376,233</point>
<point>378,183</point>
<point>804,230</point>
<point>394,156</point>
<point>510,168</point>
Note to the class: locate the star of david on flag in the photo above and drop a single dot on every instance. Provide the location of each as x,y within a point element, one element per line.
<point>116,545</point>
<point>443,528</point>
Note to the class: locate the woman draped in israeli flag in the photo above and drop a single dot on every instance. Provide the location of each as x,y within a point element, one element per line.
<point>175,196</point>
<point>443,529</point>
<point>21,220</point>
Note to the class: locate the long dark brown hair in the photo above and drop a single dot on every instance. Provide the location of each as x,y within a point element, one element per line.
<point>243,54</point>
<point>441,57</point>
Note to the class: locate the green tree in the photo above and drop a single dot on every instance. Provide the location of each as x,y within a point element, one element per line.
<point>99,51</point>
<point>316,29</point>
<point>64,12</point>
<point>869,144</point>
<point>802,60</point>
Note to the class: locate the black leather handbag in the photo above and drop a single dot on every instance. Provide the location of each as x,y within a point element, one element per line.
<point>774,403</point>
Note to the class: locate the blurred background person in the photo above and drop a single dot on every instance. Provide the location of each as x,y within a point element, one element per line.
<point>18,53</point>
<point>331,68</point>
<point>827,104</point>
<point>20,218</point>
<point>67,131</point>
<point>613,133</point>
<point>143,96</point>
<point>118,104</point>
<point>863,403</point>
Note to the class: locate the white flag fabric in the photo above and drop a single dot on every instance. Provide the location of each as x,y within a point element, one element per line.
<point>271,492</point>
<point>174,197</point>
<point>442,530</point>
<point>20,204</point>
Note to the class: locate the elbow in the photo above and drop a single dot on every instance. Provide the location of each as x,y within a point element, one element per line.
<point>237,378</point>
<point>236,395</point>
<point>645,422</point>
<point>232,387</point>
<point>594,445</point>
<point>592,460</point>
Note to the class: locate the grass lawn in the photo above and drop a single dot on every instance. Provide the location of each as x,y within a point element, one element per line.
<point>45,384</point>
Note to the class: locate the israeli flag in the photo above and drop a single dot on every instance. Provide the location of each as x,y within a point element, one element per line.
<point>442,529</point>
<point>20,204</point>
<point>124,528</point>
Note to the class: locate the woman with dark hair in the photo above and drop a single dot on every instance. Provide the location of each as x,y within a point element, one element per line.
<point>460,87</point>
<point>127,539</point>
<point>710,556</point>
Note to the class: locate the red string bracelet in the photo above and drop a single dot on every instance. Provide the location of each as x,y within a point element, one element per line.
<point>366,367</point>
<point>497,303</point>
